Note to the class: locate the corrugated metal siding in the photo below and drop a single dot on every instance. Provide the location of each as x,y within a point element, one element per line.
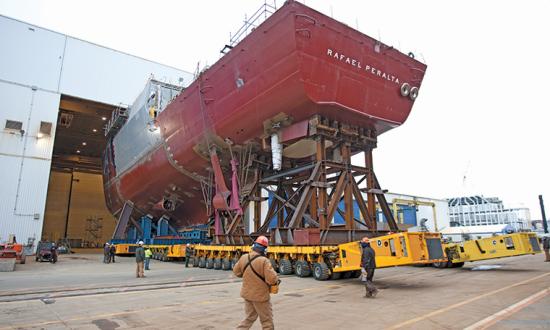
<point>25,160</point>
<point>30,55</point>
<point>17,212</point>
<point>108,76</point>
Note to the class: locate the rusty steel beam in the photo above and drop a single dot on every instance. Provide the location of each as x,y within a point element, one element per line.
<point>335,197</point>
<point>370,222</point>
<point>371,202</point>
<point>348,193</point>
<point>321,192</point>
<point>384,206</point>
<point>306,196</point>
<point>257,207</point>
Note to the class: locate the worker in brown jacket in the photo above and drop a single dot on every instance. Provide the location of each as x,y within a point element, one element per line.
<point>258,275</point>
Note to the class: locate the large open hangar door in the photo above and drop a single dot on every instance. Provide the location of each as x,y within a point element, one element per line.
<point>75,205</point>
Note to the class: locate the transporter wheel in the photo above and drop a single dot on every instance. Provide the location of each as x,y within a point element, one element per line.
<point>346,275</point>
<point>440,264</point>
<point>209,263</point>
<point>355,274</point>
<point>335,276</point>
<point>458,265</point>
<point>274,264</point>
<point>321,272</point>
<point>285,267</point>
<point>195,262</point>
<point>226,264</point>
<point>217,263</point>
<point>302,269</point>
<point>202,262</point>
<point>234,262</point>
<point>23,259</point>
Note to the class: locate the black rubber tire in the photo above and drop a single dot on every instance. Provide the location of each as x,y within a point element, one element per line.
<point>202,262</point>
<point>226,264</point>
<point>355,274</point>
<point>321,272</point>
<point>458,265</point>
<point>209,263</point>
<point>195,261</point>
<point>217,263</point>
<point>335,276</point>
<point>234,262</point>
<point>302,269</point>
<point>346,275</point>
<point>274,265</point>
<point>440,264</point>
<point>285,267</point>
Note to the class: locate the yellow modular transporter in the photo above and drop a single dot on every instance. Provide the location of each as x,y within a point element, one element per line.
<point>501,246</point>
<point>331,262</point>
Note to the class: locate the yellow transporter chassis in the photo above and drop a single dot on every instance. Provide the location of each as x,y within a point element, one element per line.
<point>331,262</point>
<point>501,246</point>
<point>160,252</point>
<point>125,249</point>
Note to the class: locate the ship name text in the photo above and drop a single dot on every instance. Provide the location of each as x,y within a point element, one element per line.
<point>341,57</point>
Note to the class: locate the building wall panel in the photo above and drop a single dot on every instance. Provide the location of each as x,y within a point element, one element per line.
<point>109,76</point>
<point>30,107</point>
<point>30,55</point>
<point>21,210</point>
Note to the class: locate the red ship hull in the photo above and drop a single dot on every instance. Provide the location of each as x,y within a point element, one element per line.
<point>298,62</point>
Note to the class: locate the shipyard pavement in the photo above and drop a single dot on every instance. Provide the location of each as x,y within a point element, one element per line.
<point>80,292</point>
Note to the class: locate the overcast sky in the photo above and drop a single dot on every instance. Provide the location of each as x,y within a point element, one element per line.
<point>479,126</point>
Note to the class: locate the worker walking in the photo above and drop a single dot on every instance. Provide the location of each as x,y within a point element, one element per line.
<point>368,265</point>
<point>546,247</point>
<point>53,252</point>
<point>148,255</point>
<point>188,254</point>
<point>106,251</point>
<point>140,259</point>
<point>258,277</point>
<point>112,252</point>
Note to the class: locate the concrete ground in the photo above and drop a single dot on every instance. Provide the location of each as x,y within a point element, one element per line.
<point>80,292</point>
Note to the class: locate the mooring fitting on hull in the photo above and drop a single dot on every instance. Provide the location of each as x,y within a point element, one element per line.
<point>276,152</point>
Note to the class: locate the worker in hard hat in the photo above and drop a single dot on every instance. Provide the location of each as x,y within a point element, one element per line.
<point>258,276</point>
<point>53,251</point>
<point>148,255</point>
<point>188,254</point>
<point>140,259</point>
<point>106,251</point>
<point>112,252</point>
<point>368,265</point>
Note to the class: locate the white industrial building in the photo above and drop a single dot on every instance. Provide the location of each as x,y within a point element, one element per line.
<point>484,211</point>
<point>57,92</point>
<point>416,211</point>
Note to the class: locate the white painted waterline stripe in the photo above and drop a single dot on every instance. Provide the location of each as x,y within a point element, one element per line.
<point>508,311</point>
